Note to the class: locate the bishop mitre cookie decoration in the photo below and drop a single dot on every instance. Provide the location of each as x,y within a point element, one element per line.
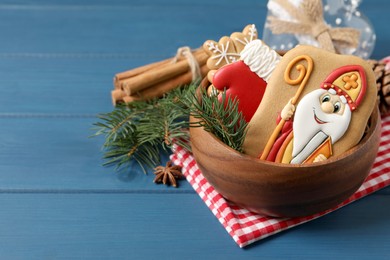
<point>246,79</point>
<point>316,105</point>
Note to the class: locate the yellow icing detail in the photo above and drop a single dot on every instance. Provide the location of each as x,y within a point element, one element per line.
<point>287,156</point>
<point>351,83</point>
<point>301,80</point>
<point>282,148</point>
<point>325,148</point>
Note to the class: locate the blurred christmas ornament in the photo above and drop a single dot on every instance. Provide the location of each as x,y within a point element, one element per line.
<point>292,22</point>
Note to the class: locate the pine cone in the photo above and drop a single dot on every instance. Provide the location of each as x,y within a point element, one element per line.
<point>382,77</point>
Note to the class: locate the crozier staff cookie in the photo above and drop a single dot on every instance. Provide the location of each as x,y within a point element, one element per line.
<point>246,79</point>
<point>323,100</point>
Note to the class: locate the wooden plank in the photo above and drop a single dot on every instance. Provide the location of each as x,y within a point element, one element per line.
<point>167,226</point>
<point>103,3</point>
<point>139,28</point>
<point>56,155</point>
<point>65,85</point>
<point>56,66</point>
<point>58,202</point>
<point>121,24</point>
<point>72,79</point>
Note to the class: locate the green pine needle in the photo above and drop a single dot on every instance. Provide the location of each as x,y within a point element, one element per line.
<point>141,129</point>
<point>138,131</point>
<point>220,117</point>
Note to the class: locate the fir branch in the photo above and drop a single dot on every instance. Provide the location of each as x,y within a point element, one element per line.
<point>220,117</point>
<point>141,129</point>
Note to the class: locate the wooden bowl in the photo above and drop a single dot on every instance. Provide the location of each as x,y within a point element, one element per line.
<point>285,190</point>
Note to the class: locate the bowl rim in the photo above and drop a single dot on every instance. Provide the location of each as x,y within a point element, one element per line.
<point>374,122</point>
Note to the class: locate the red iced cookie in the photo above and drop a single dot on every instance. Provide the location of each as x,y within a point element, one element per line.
<point>241,83</point>
<point>246,79</point>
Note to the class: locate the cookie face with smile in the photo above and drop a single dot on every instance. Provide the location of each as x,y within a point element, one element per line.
<point>330,103</point>
<point>319,121</point>
<point>329,114</point>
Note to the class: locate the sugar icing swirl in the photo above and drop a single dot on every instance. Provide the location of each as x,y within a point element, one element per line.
<point>260,58</point>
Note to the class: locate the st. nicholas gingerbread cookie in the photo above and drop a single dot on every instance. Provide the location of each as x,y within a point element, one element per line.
<point>316,105</point>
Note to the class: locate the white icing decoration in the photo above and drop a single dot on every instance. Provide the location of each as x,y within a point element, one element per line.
<point>332,91</point>
<point>223,54</point>
<point>310,147</point>
<point>260,58</point>
<point>305,127</point>
<point>251,33</point>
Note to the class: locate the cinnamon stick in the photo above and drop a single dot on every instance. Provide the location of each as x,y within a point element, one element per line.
<point>152,77</point>
<point>117,95</point>
<point>139,70</point>
<point>134,72</point>
<point>159,89</point>
<point>127,99</point>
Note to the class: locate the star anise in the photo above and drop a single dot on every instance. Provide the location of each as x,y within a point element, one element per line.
<point>168,174</point>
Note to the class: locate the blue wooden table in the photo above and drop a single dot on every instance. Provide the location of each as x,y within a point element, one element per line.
<point>57,60</point>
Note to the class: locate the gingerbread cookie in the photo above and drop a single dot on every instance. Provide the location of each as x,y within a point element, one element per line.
<point>227,50</point>
<point>323,101</point>
<point>246,79</point>
<point>241,39</point>
<point>221,53</point>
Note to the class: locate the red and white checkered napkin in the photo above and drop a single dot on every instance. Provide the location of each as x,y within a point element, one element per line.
<point>246,227</point>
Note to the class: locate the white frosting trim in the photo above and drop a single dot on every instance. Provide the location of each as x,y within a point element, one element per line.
<point>260,58</point>
<point>343,99</point>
